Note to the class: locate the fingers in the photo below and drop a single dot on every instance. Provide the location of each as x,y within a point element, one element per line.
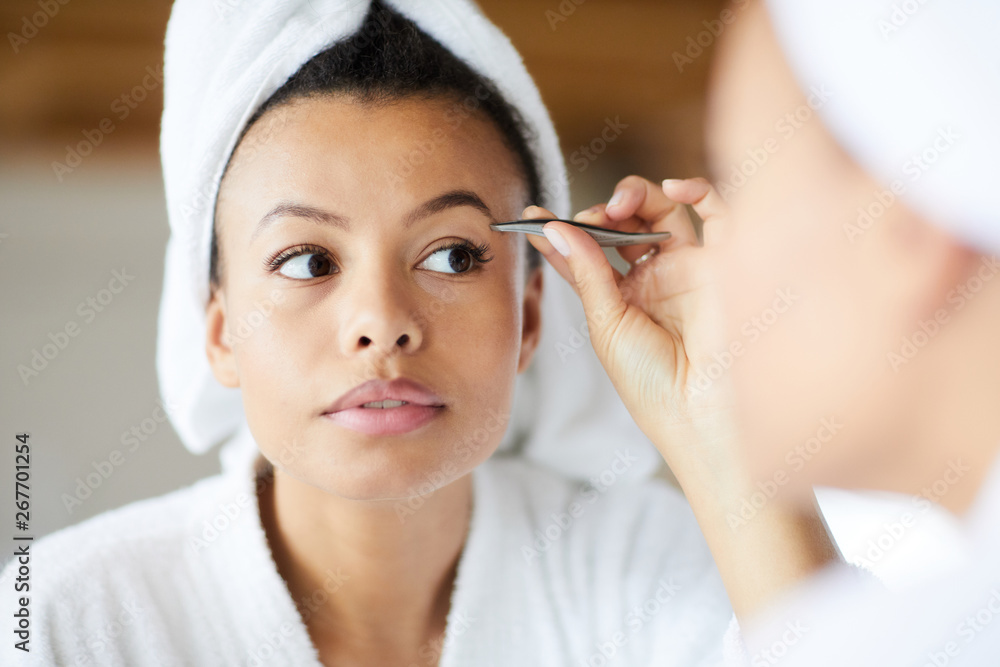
<point>596,216</point>
<point>638,199</point>
<point>705,200</point>
<point>542,244</point>
<point>639,205</point>
<point>593,278</point>
<point>635,196</point>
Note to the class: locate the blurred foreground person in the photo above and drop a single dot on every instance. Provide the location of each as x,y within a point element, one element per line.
<point>849,245</point>
<point>856,143</point>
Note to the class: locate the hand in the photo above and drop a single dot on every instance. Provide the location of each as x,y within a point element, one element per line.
<point>656,328</point>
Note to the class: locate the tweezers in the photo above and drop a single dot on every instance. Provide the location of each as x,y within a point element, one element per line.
<point>603,235</point>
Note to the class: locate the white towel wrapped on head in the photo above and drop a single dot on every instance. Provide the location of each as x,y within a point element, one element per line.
<point>914,98</point>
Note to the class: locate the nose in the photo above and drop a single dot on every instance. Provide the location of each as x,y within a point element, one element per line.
<point>379,317</point>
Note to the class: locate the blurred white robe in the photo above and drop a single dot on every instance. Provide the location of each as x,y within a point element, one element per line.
<point>952,619</point>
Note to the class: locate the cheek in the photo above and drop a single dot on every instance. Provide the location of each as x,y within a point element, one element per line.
<point>796,298</point>
<point>269,347</point>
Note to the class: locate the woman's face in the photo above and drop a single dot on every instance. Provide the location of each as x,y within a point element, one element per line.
<point>375,291</point>
<point>818,300</point>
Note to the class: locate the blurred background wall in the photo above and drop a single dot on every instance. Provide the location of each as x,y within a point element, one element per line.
<point>81,197</point>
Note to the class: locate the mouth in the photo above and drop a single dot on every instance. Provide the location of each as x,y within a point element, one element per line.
<point>378,407</point>
<point>385,420</point>
<point>384,404</point>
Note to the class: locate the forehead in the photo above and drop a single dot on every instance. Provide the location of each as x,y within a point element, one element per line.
<point>749,87</point>
<point>756,104</point>
<point>371,157</point>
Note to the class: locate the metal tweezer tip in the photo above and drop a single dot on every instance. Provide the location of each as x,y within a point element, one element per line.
<point>603,236</point>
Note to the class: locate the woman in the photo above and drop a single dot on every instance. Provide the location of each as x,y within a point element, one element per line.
<point>375,327</point>
<point>883,216</point>
<point>862,186</point>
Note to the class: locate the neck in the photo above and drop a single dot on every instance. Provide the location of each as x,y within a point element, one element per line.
<point>955,476</point>
<point>388,582</point>
<point>957,433</point>
<point>960,442</point>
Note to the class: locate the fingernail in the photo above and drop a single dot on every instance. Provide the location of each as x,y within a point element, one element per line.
<point>557,241</point>
<point>671,181</point>
<point>616,198</point>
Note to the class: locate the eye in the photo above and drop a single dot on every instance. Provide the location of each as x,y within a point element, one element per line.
<point>457,257</point>
<point>302,263</point>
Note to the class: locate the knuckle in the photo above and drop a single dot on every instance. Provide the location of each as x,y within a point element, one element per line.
<point>632,181</point>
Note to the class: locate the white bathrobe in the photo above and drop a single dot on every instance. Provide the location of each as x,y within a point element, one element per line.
<point>552,573</point>
<point>949,620</point>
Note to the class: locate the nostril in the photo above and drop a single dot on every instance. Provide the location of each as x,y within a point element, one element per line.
<point>403,340</point>
<point>366,341</point>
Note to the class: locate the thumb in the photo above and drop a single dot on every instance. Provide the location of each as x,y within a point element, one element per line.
<point>596,281</point>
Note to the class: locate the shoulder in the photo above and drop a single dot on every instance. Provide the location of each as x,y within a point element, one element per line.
<point>121,568</point>
<point>134,531</point>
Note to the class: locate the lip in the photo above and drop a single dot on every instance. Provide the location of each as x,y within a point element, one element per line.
<point>422,406</point>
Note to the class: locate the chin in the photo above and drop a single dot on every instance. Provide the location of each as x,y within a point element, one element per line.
<point>384,469</point>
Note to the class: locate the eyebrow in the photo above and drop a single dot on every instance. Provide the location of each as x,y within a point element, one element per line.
<point>452,199</point>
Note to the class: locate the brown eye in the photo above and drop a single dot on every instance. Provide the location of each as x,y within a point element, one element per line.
<point>306,266</point>
<point>460,257</point>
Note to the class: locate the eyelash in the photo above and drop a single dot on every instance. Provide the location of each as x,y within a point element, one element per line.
<point>478,253</point>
